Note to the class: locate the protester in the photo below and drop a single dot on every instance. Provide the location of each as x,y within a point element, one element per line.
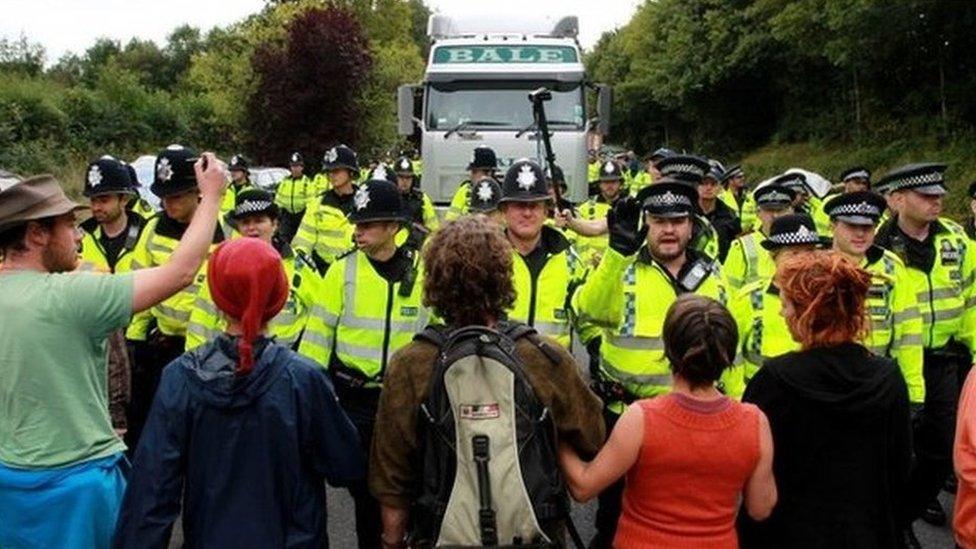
<point>685,495</point>
<point>839,417</point>
<point>61,463</point>
<point>468,281</point>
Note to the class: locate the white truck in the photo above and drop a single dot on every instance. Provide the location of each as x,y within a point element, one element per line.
<point>475,92</point>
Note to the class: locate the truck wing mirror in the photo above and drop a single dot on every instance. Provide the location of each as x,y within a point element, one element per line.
<point>603,102</point>
<point>405,114</point>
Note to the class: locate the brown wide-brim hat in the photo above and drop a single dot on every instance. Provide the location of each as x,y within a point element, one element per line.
<point>32,199</point>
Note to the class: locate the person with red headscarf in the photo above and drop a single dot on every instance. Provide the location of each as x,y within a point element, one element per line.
<point>242,429</point>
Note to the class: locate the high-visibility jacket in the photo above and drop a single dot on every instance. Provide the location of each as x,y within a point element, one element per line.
<point>747,261</point>
<point>747,210</point>
<point>418,166</point>
<point>92,251</point>
<point>156,244</point>
<point>639,181</point>
<point>324,233</point>
<point>945,291</point>
<point>895,324</point>
<point>206,321</point>
<point>589,246</point>
<point>814,208</point>
<point>460,202</point>
<point>593,171</point>
<point>322,183</point>
<point>629,297</point>
<point>704,237</point>
<point>359,319</point>
<point>142,207</point>
<point>420,211</point>
<point>543,302</point>
<point>229,200</point>
<point>293,195</point>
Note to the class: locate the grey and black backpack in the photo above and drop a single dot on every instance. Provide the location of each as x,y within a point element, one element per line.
<point>488,447</point>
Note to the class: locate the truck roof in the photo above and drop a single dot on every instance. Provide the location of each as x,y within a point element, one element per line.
<point>494,55</point>
<point>443,26</point>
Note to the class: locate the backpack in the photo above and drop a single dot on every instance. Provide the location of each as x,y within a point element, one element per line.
<point>488,446</point>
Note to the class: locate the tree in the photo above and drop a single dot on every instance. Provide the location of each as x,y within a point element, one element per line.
<point>307,88</point>
<point>21,56</point>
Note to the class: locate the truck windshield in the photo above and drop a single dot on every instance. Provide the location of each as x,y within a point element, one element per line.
<point>502,105</point>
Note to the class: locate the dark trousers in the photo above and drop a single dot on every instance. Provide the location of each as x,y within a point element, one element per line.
<point>934,431</point>
<point>288,224</point>
<point>609,502</point>
<point>360,405</point>
<point>148,360</point>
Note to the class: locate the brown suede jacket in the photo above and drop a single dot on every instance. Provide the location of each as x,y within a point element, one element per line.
<point>576,412</point>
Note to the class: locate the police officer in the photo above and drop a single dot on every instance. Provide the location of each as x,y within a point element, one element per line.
<point>941,266</point>
<point>325,232</point>
<point>256,216</point>
<point>485,196</point>
<point>806,201</point>
<point>483,164</point>
<point>611,189</point>
<point>763,332</point>
<point>896,324</point>
<point>642,272</point>
<point>368,307</point>
<point>293,195</point>
<point>556,179</point>
<point>856,179</point>
<point>240,173</point>
<point>747,261</point>
<point>737,197</point>
<point>158,334</point>
<point>112,231</point>
<point>723,219</point>
<point>420,210</point>
<point>690,170</point>
<point>545,266</point>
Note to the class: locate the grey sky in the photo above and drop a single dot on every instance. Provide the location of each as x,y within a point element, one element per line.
<point>73,25</point>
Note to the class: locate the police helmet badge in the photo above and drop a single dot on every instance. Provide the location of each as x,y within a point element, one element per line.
<point>485,193</point>
<point>404,164</point>
<point>526,178</point>
<point>95,176</point>
<point>361,199</point>
<point>331,155</point>
<point>295,157</point>
<point>164,172</point>
<point>608,167</point>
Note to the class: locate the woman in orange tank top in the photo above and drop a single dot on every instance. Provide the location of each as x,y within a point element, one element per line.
<point>688,456</point>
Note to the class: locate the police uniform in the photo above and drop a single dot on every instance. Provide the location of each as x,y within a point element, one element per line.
<point>813,206</point>
<point>99,251</point>
<point>941,270</point>
<point>325,232</point>
<point>747,261</point>
<point>366,310</point>
<point>743,204</point>
<point>483,158</point>
<point>857,174</point>
<point>206,322</point>
<point>419,208</point>
<point>763,332</point>
<point>628,296</point>
<point>237,163</point>
<point>591,247</point>
<point>292,197</point>
<point>896,323</point>
<point>690,170</point>
<point>158,334</point>
<point>724,219</point>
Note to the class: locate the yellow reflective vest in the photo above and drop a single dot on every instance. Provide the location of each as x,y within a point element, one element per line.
<point>94,254</point>
<point>206,321</point>
<point>945,290</point>
<point>293,195</point>
<point>359,319</point>
<point>747,261</point>
<point>747,210</point>
<point>629,297</point>
<point>460,202</point>
<point>324,233</point>
<point>589,247</point>
<point>543,301</point>
<point>156,244</point>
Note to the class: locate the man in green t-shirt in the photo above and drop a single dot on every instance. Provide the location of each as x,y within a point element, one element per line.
<point>60,478</point>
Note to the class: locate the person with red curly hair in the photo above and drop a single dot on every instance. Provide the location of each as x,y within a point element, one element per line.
<point>839,416</point>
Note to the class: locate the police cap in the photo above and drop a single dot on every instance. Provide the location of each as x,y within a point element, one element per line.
<point>377,200</point>
<point>857,208</point>
<point>108,175</point>
<point>668,198</point>
<point>174,171</point>
<point>524,182</point>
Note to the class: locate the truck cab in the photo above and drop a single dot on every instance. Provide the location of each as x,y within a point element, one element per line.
<point>475,93</point>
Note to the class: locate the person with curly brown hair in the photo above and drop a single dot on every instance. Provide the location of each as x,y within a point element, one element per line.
<point>839,416</point>
<point>467,282</point>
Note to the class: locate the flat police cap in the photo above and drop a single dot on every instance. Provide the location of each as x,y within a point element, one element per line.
<point>684,167</point>
<point>108,175</point>
<point>483,158</point>
<point>296,159</point>
<point>715,171</point>
<point>174,171</point>
<point>860,208</point>
<point>793,180</point>
<point>254,202</point>
<point>857,172</point>
<point>524,182</point>
<point>341,157</point>
<point>927,178</point>
<point>610,171</point>
<point>732,172</point>
<point>668,199</point>
<point>662,152</point>
<point>377,200</point>
<point>774,197</point>
<point>485,195</point>
<point>792,230</point>
<point>404,166</point>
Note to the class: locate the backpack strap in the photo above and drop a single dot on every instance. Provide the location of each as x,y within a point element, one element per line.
<point>432,334</point>
<point>517,330</point>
